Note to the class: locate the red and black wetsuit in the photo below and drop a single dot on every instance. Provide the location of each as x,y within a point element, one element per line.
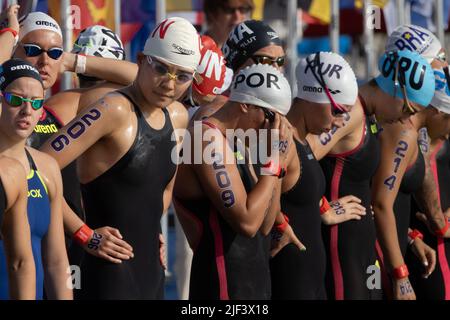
<point>437,286</point>
<point>129,197</point>
<point>226,265</point>
<point>301,274</point>
<point>351,245</point>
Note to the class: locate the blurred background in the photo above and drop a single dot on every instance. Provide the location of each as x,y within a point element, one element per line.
<point>355,28</point>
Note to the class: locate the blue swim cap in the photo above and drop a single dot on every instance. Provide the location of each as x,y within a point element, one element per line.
<point>413,72</point>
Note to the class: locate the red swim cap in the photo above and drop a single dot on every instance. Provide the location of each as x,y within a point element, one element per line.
<point>210,73</point>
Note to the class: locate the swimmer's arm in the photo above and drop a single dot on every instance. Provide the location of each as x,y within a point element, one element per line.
<point>427,196</point>
<point>179,117</point>
<point>275,216</point>
<point>385,185</point>
<point>168,192</point>
<point>94,123</point>
<point>54,255</point>
<point>15,232</point>
<point>7,39</point>
<point>244,212</point>
<point>273,210</point>
<point>65,104</point>
<point>116,71</point>
<point>322,144</point>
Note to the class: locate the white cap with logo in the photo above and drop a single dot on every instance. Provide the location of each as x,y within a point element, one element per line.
<point>263,86</point>
<point>38,21</point>
<point>176,41</point>
<point>414,38</point>
<point>330,70</point>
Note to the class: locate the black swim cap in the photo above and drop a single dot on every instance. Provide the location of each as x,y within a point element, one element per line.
<point>14,69</point>
<point>247,38</point>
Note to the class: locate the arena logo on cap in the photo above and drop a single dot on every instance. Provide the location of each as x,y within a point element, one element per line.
<point>410,42</point>
<point>404,64</point>
<point>255,80</point>
<point>47,24</point>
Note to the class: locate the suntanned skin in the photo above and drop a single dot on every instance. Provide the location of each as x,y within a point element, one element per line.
<point>12,144</point>
<point>103,141</point>
<point>251,212</point>
<point>15,232</point>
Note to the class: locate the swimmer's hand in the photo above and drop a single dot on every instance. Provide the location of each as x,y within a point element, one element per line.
<point>107,243</point>
<point>280,240</point>
<point>162,252</point>
<point>425,254</point>
<point>422,217</point>
<point>344,209</point>
<point>403,289</point>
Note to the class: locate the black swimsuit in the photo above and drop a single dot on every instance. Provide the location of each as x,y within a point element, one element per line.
<point>301,274</point>
<point>226,265</point>
<point>129,197</point>
<point>437,286</point>
<point>351,245</point>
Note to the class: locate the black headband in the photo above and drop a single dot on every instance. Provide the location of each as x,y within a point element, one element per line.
<point>14,69</point>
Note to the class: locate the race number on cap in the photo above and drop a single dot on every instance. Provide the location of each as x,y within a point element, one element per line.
<point>264,86</point>
<point>176,41</point>
<point>38,21</point>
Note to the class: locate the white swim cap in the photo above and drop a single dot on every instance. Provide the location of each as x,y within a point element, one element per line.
<point>38,21</point>
<point>326,69</point>
<point>264,86</point>
<point>414,38</point>
<point>176,41</point>
<point>441,98</point>
<point>99,41</point>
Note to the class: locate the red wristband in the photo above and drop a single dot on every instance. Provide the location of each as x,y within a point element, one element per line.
<point>415,234</point>
<point>400,272</point>
<point>82,235</point>
<point>282,226</point>
<point>271,168</point>
<point>325,206</point>
<point>441,233</point>
<point>13,32</point>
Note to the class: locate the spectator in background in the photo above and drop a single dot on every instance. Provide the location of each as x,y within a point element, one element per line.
<point>223,15</point>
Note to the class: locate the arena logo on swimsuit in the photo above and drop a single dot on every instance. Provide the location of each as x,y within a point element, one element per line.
<point>409,41</point>
<point>75,130</point>
<point>404,65</point>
